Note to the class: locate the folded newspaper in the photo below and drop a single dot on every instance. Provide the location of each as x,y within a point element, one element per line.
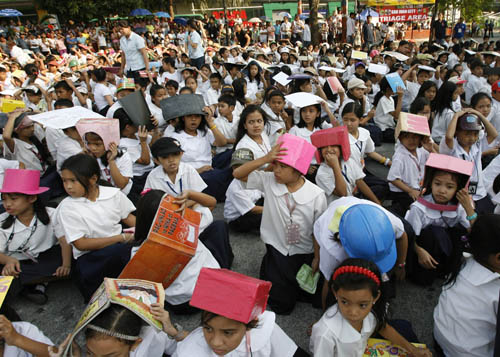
<point>133,294</point>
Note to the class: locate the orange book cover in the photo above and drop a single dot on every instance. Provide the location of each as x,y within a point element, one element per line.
<point>170,245</point>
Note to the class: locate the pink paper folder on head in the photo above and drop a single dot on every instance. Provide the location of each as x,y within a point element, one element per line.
<point>412,123</point>
<point>299,152</point>
<point>230,294</point>
<point>334,84</point>
<point>332,136</point>
<point>107,129</point>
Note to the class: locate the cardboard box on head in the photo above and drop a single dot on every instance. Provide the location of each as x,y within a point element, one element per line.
<point>299,152</point>
<point>181,105</point>
<point>332,136</point>
<point>9,105</point>
<point>137,109</point>
<point>412,123</point>
<point>170,245</point>
<point>230,294</point>
<point>107,129</point>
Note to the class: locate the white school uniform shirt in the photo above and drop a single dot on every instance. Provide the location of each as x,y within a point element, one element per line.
<point>211,96</point>
<point>66,148</point>
<point>157,113</point>
<point>100,92</point>
<point>275,125</point>
<point>239,200</point>
<point>82,218</point>
<point>187,178</point>
<point>228,128</point>
<point>25,153</point>
<point>52,136</point>
<point>266,340</point>
<point>166,76</point>
<point>407,168</point>
<point>134,150</point>
<point>494,116</point>
<point>382,118</point>
<point>197,149</point>
<point>112,109</point>
<point>474,85</point>
<point>474,156</point>
<point>325,179</point>
<point>125,165</point>
<point>310,203</point>
<point>258,150</point>
<point>466,314</point>
<point>440,124</point>
<point>331,251</point>
<point>456,105</point>
<point>154,343</point>
<point>420,216</point>
<point>361,146</point>
<point>252,88</point>
<point>410,94</point>
<point>490,173</point>
<point>30,331</point>
<point>4,165</point>
<point>496,201</point>
<point>34,239</point>
<point>334,336</point>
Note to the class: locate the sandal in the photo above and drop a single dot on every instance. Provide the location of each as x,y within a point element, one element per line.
<point>36,294</point>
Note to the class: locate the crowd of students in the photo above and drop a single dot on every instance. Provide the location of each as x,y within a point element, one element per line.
<point>278,134</point>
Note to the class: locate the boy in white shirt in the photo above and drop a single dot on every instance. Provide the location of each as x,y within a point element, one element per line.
<point>243,207</point>
<point>213,93</point>
<point>227,121</point>
<point>475,82</point>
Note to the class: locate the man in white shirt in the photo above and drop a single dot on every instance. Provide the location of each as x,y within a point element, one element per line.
<point>134,54</point>
<point>350,28</point>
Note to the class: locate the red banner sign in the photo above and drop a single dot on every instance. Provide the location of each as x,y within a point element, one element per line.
<point>392,14</point>
<point>230,15</point>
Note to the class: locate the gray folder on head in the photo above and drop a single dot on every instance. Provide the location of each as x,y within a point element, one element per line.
<point>137,109</point>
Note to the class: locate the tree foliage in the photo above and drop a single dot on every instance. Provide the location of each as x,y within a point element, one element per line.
<point>470,9</point>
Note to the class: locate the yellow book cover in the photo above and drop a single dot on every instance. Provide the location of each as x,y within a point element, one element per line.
<point>377,347</point>
<point>9,105</point>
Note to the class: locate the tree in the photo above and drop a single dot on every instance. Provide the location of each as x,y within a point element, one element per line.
<point>470,9</point>
<point>313,21</point>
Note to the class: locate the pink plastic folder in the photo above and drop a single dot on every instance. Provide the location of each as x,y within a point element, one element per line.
<point>299,152</point>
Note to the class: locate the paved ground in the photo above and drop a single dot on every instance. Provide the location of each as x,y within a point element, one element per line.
<point>59,315</point>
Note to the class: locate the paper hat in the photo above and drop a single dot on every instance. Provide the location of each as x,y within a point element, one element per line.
<point>107,129</point>
<point>181,105</point>
<point>303,99</point>
<point>64,118</point>
<point>125,83</point>
<point>412,123</point>
<point>230,294</point>
<point>332,136</point>
<point>299,152</point>
<point>22,181</point>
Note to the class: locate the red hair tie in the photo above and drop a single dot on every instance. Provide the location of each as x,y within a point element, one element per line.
<point>145,191</point>
<point>356,270</point>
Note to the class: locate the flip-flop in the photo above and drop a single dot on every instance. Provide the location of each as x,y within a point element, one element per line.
<point>36,294</point>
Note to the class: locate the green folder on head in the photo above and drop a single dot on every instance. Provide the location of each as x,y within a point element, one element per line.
<point>307,281</point>
<point>137,109</point>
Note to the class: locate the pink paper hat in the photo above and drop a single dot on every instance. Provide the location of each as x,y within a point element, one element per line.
<point>450,163</point>
<point>107,129</point>
<point>230,294</point>
<point>22,181</point>
<point>299,152</point>
<point>332,136</point>
<point>411,123</point>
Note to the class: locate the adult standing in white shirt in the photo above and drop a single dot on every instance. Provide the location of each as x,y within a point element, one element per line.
<point>134,54</point>
<point>351,28</point>
<point>194,44</point>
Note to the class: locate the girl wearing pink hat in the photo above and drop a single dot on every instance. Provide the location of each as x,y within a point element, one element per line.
<point>29,236</point>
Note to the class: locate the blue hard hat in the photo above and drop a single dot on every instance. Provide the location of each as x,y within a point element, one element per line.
<point>367,233</point>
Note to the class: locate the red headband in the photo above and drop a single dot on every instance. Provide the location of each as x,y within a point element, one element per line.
<point>356,270</point>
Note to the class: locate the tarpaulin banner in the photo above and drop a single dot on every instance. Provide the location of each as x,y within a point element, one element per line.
<point>376,3</point>
<point>391,14</point>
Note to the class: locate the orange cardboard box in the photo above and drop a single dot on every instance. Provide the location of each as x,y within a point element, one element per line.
<point>171,243</point>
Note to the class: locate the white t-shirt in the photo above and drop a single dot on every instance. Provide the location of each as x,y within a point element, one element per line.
<point>440,124</point>
<point>309,200</point>
<point>66,147</point>
<point>134,150</point>
<point>325,179</point>
<point>197,149</point>
<point>228,129</point>
<point>334,336</point>
<point>100,91</point>
<point>82,218</point>
<point>383,118</point>
<point>465,317</point>
<point>266,340</point>
<point>407,168</point>
<point>239,200</point>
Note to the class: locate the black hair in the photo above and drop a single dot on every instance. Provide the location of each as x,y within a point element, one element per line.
<point>186,89</point>
<point>206,316</point>
<point>425,87</point>
<point>273,92</point>
<point>474,100</point>
<point>353,107</point>
<point>202,127</point>
<point>475,63</point>
<point>84,167</point>
<point>238,86</point>
<point>123,117</point>
<point>169,60</point>
<point>496,184</point>
<point>461,181</point>
<point>116,319</point>
<point>154,89</point>
<point>384,85</point>
<point>63,85</point>
<point>228,99</point>
<point>172,83</point>
<point>42,149</point>
<point>216,75</point>
<point>328,92</point>
<point>64,103</point>
<point>146,212</point>
<point>100,74</point>
<point>243,118</point>
<point>297,83</point>
<point>259,69</point>
<point>103,158</point>
<point>317,121</point>
<point>357,281</point>
<point>418,105</point>
<point>38,209</point>
<point>444,97</point>
<point>483,241</point>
